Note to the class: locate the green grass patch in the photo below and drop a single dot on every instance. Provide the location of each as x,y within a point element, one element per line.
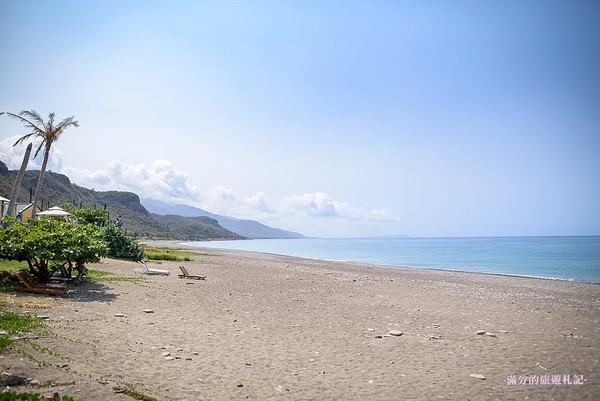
<point>133,393</point>
<point>12,265</point>
<point>167,256</point>
<point>14,323</point>
<point>172,254</point>
<point>7,288</point>
<point>100,276</point>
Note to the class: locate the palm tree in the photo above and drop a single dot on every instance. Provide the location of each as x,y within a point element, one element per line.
<point>49,133</point>
<point>12,204</point>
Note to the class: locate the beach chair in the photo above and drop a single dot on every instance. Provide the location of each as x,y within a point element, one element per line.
<point>186,274</point>
<point>146,270</point>
<point>27,284</point>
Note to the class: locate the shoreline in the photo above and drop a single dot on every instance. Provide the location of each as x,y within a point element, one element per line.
<point>265,326</point>
<point>180,245</point>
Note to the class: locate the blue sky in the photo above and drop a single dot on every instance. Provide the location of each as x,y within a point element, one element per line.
<point>354,118</point>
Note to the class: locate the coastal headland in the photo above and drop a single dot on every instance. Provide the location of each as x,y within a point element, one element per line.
<point>264,326</point>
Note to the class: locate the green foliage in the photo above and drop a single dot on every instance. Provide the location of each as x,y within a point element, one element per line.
<point>49,245</point>
<point>12,246</point>
<point>122,246</point>
<point>97,217</point>
<point>11,265</point>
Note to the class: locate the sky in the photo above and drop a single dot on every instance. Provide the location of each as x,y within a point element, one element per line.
<point>329,118</point>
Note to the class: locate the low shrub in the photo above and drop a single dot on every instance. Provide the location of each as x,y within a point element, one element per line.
<point>122,246</point>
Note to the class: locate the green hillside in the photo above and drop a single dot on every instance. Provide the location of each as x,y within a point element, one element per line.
<point>194,228</point>
<point>58,189</point>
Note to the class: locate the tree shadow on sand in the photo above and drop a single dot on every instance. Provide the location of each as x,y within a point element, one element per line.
<point>91,291</point>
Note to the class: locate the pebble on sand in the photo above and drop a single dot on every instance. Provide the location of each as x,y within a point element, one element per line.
<point>148,311</point>
<point>477,376</point>
<point>119,315</point>
<point>396,333</point>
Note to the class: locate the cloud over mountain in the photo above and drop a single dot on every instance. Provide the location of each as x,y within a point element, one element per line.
<point>13,155</point>
<point>163,180</point>
<point>159,180</point>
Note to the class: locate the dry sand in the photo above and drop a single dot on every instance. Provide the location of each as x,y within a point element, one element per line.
<point>266,327</point>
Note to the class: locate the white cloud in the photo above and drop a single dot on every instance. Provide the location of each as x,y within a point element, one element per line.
<point>311,213</point>
<point>13,155</point>
<point>261,202</point>
<point>317,205</point>
<point>383,215</point>
<point>220,199</point>
<point>161,180</point>
<point>322,205</point>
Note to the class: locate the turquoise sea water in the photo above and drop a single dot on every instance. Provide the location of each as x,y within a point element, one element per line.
<point>569,258</point>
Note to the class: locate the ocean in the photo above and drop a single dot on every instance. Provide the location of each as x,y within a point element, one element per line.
<point>564,258</point>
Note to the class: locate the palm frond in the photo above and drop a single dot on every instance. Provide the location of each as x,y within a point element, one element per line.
<point>46,130</point>
<point>36,130</point>
<point>50,123</point>
<point>32,115</point>
<point>24,138</point>
<point>42,146</point>
<point>67,122</point>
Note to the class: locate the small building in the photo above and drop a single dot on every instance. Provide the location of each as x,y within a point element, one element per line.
<point>3,206</point>
<point>24,211</point>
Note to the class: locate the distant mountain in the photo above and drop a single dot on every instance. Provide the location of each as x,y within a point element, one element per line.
<point>246,228</point>
<point>58,189</point>
<point>195,228</point>
<point>164,222</point>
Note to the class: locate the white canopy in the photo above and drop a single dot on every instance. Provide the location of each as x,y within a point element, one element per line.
<point>54,211</point>
<point>3,199</point>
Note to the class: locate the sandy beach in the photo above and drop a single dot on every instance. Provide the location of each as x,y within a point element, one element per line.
<point>264,327</point>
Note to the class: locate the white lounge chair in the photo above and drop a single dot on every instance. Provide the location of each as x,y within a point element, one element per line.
<point>146,270</point>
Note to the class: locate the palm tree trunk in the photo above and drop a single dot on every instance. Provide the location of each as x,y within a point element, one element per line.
<point>12,205</point>
<point>38,187</point>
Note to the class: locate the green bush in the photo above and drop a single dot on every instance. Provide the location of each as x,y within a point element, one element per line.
<point>121,245</point>
<point>48,245</point>
<point>97,217</point>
